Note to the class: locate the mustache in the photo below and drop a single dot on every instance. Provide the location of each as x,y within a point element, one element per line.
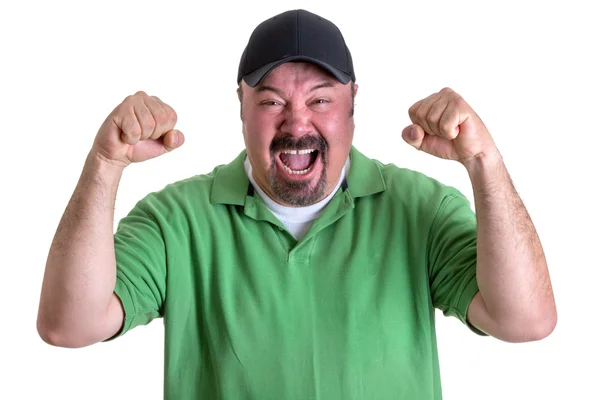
<point>305,142</point>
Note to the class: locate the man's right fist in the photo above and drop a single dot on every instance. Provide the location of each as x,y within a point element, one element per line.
<point>140,128</point>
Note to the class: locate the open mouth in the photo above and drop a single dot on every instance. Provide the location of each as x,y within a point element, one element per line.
<point>298,162</point>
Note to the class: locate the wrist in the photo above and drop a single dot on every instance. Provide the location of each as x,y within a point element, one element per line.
<point>484,164</point>
<point>101,169</point>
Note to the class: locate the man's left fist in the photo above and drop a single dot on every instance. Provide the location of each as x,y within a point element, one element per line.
<point>445,126</point>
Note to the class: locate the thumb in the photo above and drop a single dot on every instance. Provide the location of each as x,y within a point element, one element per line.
<point>414,135</point>
<point>173,139</point>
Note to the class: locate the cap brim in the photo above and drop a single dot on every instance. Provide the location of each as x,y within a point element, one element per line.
<point>254,78</point>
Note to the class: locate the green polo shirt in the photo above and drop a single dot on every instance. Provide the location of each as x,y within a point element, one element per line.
<point>345,313</point>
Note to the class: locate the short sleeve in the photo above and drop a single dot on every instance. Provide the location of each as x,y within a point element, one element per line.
<point>141,268</point>
<point>452,256</point>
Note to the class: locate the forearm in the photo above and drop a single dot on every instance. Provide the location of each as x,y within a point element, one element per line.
<point>511,267</point>
<point>81,270</point>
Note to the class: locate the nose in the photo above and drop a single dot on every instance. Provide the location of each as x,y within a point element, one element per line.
<point>297,121</point>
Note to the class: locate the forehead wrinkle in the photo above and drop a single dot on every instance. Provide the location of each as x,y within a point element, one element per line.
<point>296,77</point>
<point>326,84</point>
<point>268,88</point>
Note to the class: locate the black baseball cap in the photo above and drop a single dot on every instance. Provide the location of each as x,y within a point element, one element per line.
<point>296,35</point>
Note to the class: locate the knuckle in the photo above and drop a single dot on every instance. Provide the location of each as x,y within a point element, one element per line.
<point>148,123</point>
<point>172,116</point>
<point>448,133</point>
<point>141,93</point>
<point>131,128</point>
<point>161,117</point>
<point>412,111</point>
<point>125,107</point>
<point>421,115</point>
<point>457,101</point>
<point>446,90</point>
<point>143,114</point>
<point>446,126</point>
<point>431,118</point>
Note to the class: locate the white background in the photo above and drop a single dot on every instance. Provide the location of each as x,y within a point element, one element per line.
<point>530,70</point>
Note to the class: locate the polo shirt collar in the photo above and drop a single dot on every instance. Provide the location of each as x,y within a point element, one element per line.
<point>230,184</point>
<point>365,177</point>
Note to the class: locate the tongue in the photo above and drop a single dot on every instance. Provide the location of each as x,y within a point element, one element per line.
<point>297,162</point>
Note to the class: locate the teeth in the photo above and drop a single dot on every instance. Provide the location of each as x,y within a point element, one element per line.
<point>291,171</point>
<point>306,151</point>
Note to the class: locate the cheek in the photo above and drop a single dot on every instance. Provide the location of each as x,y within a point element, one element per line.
<point>260,123</point>
<point>336,129</point>
<point>258,135</point>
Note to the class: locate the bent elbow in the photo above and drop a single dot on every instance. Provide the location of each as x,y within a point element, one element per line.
<point>545,326</point>
<point>57,337</point>
<point>534,330</point>
<point>52,338</point>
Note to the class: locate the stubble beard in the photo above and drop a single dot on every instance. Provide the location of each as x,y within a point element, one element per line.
<point>299,193</point>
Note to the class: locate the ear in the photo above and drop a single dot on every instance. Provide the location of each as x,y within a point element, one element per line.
<point>240,95</point>
<point>355,89</point>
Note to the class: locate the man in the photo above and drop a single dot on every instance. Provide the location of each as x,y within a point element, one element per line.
<point>302,269</point>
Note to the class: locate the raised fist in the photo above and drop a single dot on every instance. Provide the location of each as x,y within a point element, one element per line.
<point>445,126</point>
<point>139,128</point>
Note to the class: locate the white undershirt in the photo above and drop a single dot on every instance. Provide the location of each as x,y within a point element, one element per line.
<point>297,220</point>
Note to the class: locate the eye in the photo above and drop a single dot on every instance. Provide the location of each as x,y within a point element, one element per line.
<point>321,101</point>
<point>270,103</point>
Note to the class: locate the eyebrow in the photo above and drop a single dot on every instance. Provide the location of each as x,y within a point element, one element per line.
<point>322,85</point>
<point>265,88</point>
